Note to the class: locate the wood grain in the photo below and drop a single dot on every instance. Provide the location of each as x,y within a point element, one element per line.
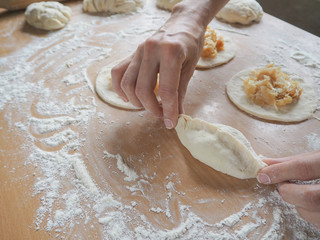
<point>211,195</point>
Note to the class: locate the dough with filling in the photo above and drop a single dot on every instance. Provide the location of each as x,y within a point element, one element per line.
<point>222,57</point>
<point>221,147</point>
<point>241,11</point>
<point>167,4</point>
<point>105,91</point>
<point>294,112</point>
<point>112,6</point>
<point>48,15</point>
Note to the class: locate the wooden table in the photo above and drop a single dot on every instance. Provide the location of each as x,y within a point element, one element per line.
<point>171,184</point>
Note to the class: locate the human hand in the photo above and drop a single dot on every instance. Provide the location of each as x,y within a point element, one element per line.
<point>305,197</point>
<point>173,52</point>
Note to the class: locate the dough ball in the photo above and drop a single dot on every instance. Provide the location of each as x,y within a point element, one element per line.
<point>295,112</point>
<point>112,6</point>
<point>167,4</point>
<point>241,11</point>
<point>48,15</point>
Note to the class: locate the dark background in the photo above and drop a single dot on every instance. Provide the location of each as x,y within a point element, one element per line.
<point>304,14</point>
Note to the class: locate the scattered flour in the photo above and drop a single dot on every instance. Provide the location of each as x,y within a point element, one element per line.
<point>131,175</point>
<point>313,141</point>
<point>62,182</point>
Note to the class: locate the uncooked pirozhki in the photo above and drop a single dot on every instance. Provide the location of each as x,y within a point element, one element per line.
<point>221,147</point>
<point>105,91</point>
<point>222,57</point>
<point>294,112</point>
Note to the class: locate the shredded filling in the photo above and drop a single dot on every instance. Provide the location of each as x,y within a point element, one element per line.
<point>212,44</point>
<point>270,86</point>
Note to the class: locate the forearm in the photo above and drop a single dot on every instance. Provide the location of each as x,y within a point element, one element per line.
<point>201,11</point>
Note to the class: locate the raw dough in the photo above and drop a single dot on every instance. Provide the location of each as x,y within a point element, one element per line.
<point>104,89</point>
<point>48,15</point>
<point>241,11</point>
<point>219,146</point>
<point>222,56</point>
<point>112,6</point>
<point>167,4</point>
<point>295,112</point>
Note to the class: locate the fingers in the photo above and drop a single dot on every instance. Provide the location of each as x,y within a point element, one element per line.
<point>170,69</point>
<point>129,79</point>
<point>310,216</point>
<point>301,167</point>
<point>147,79</point>
<point>117,73</point>
<point>306,196</point>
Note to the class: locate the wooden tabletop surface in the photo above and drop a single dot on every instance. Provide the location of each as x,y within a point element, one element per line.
<point>169,178</point>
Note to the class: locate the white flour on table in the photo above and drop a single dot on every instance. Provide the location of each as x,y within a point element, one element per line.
<point>69,195</point>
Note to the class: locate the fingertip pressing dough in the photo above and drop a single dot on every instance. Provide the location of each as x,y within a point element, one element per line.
<point>105,91</point>
<point>241,11</point>
<point>112,6</point>
<point>217,50</point>
<point>294,110</point>
<point>221,147</point>
<point>167,4</point>
<point>48,15</point>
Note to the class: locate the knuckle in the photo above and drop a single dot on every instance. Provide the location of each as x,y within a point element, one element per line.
<point>126,85</point>
<point>174,48</point>
<point>312,198</point>
<point>304,170</point>
<point>167,93</point>
<point>115,72</point>
<point>150,44</point>
<point>141,93</point>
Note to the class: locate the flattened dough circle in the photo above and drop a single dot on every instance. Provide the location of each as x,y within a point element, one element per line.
<point>295,112</point>
<point>222,56</point>
<point>221,147</point>
<point>105,91</point>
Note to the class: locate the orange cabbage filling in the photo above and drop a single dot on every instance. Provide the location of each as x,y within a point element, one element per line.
<point>212,44</point>
<point>270,86</point>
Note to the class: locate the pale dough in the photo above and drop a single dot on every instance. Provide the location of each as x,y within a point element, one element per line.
<point>105,91</point>
<point>222,57</point>
<point>221,147</point>
<point>112,6</point>
<point>294,112</point>
<point>167,4</point>
<point>48,15</point>
<point>241,11</point>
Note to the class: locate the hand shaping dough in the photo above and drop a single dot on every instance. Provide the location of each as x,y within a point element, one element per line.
<point>241,11</point>
<point>105,91</point>
<point>294,112</point>
<point>222,57</point>
<point>48,15</point>
<point>167,4</point>
<point>112,6</point>
<point>219,146</point>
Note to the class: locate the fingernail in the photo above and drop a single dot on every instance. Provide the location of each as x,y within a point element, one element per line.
<point>263,178</point>
<point>124,99</point>
<point>168,123</point>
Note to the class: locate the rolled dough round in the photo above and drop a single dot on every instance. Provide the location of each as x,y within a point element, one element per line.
<point>222,57</point>
<point>105,91</point>
<point>294,112</point>
<point>221,147</point>
<point>241,11</point>
<point>48,15</point>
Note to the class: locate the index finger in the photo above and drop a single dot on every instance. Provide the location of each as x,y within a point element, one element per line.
<point>302,167</point>
<point>170,70</point>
